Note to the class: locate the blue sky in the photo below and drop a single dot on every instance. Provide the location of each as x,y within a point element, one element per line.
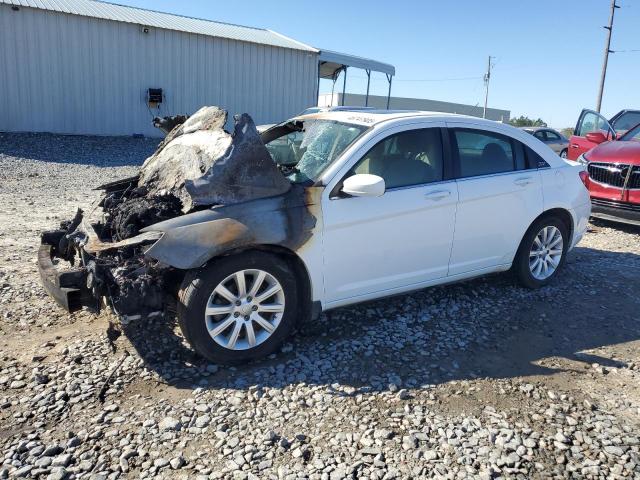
<point>548,53</point>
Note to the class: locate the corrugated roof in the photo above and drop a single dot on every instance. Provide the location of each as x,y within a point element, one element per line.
<point>151,18</point>
<point>331,62</point>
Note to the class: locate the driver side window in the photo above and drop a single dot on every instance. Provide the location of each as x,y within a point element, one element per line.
<point>591,123</point>
<point>413,157</point>
<point>540,135</point>
<point>286,150</point>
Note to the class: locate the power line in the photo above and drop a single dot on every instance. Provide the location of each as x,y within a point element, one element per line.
<point>424,79</point>
<point>439,79</point>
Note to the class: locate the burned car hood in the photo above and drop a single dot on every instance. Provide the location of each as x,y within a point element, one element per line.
<point>198,165</point>
<point>201,164</point>
<point>190,240</point>
<point>206,191</point>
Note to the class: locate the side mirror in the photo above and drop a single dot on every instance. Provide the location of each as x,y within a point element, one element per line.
<point>596,137</point>
<point>364,185</point>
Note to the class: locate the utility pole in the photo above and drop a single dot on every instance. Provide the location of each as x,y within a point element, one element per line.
<point>487,77</point>
<point>607,51</point>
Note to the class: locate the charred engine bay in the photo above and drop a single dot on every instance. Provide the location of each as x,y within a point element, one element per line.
<point>198,165</point>
<point>131,284</point>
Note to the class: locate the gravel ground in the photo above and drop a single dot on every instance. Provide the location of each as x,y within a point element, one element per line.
<point>481,379</point>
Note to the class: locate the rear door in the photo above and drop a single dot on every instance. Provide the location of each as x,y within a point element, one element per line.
<point>589,121</point>
<point>499,197</point>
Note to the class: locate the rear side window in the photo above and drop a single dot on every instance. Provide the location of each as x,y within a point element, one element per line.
<point>483,153</point>
<point>534,160</point>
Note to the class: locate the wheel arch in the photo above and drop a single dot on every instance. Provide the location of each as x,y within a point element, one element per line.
<point>520,266</point>
<point>306,306</point>
<point>562,213</point>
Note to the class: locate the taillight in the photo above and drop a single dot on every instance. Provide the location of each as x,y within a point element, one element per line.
<point>584,176</point>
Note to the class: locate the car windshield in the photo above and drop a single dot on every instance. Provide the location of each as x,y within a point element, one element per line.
<point>303,149</point>
<point>633,134</point>
<point>626,121</point>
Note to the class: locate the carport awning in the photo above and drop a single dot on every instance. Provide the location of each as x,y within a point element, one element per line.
<point>332,63</point>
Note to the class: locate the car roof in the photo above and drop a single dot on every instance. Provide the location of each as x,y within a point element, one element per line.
<point>536,129</point>
<point>346,108</point>
<point>374,117</point>
<point>335,108</point>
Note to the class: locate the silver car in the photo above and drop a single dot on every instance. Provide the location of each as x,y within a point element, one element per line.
<point>551,137</point>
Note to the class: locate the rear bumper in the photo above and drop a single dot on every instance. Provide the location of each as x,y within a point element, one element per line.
<point>68,287</point>
<point>581,221</point>
<point>616,211</point>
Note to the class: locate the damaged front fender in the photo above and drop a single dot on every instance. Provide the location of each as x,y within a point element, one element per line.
<point>189,241</point>
<point>92,243</point>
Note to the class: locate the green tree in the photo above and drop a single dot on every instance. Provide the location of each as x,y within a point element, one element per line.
<point>523,121</point>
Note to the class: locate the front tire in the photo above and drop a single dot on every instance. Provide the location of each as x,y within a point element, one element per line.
<point>542,252</point>
<point>563,153</point>
<point>238,308</point>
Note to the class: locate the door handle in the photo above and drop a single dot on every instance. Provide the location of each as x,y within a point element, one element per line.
<point>574,145</point>
<point>437,195</point>
<point>523,181</point>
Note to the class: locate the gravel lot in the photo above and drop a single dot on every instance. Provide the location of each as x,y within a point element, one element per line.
<point>482,379</point>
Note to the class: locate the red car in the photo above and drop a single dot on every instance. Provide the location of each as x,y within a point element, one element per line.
<point>613,164</point>
<point>591,122</point>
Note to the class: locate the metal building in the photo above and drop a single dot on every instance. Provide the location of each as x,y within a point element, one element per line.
<point>86,67</point>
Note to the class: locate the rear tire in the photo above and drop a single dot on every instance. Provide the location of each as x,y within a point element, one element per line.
<point>238,308</point>
<point>563,153</point>
<point>542,252</point>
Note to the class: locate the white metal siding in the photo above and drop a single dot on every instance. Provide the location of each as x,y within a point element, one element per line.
<point>65,73</point>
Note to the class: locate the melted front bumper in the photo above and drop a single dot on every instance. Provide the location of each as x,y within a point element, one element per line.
<point>67,286</point>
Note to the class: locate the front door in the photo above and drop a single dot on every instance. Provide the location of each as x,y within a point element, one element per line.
<point>400,239</point>
<point>589,121</point>
<point>499,197</point>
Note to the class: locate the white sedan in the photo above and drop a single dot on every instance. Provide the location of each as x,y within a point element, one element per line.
<point>358,206</point>
<point>391,202</point>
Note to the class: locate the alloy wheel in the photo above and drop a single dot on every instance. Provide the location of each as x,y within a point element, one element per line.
<point>546,252</point>
<point>244,309</point>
